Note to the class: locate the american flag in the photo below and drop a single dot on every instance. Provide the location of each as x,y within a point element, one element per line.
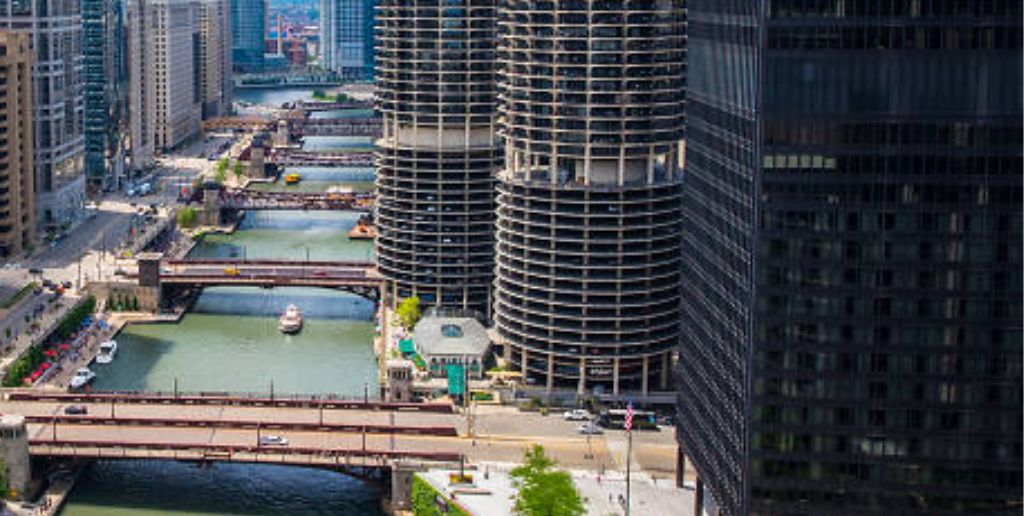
<point>628,422</point>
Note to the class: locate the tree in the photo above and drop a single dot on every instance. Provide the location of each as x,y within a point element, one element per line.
<point>239,169</point>
<point>409,312</point>
<point>543,490</point>
<point>187,217</point>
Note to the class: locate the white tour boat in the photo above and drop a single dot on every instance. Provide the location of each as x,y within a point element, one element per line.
<point>108,350</point>
<point>291,321</point>
<point>82,378</point>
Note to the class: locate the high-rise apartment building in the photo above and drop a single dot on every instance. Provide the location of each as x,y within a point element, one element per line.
<point>347,37</point>
<point>437,158</point>
<point>248,31</point>
<point>588,237</point>
<point>141,85</point>
<point>215,62</point>
<point>177,60</point>
<point>56,29</point>
<point>17,178</point>
<point>852,215</point>
<point>105,92</point>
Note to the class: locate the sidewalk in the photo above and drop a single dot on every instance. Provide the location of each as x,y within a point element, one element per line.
<point>47,323</point>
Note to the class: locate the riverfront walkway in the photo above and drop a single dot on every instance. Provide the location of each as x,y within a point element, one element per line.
<point>242,199</point>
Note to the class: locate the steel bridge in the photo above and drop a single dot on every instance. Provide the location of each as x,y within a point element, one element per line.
<point>289,157</point>
<point>239,199</point>
<point>359,278</point>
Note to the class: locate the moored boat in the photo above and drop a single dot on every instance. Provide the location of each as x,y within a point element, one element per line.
<point>291,320</point>
<point>107,352</point>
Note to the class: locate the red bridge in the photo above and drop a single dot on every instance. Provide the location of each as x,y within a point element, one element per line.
<point>300,158</point>
<point>359,278</point>
<point>307,432</point>
<point>239,199</point>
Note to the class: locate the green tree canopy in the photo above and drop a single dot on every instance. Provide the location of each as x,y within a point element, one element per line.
<point>542,489</point>
<point>239,169</point>
<point>409,312</point>
<point>187,217</point>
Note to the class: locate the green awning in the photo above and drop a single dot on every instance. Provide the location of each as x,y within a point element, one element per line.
<point>405,346</point>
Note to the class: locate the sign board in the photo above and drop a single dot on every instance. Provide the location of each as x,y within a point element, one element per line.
<point>456,379</point>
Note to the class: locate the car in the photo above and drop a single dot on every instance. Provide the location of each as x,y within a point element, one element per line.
<point>35,270</point>
<point>120,272</point>
<point>577,415</point>
<point>66,284</point>
<point>273,440</point>
<point>76,410</point>
<point>232,271</point>
<point>320,274</point>
<point>48,283</point>
<point>590,429</point>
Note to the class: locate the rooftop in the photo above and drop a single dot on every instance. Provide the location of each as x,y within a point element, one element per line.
<point>450,336</point>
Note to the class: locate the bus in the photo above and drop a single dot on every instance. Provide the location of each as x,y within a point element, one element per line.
<point>615,418</point>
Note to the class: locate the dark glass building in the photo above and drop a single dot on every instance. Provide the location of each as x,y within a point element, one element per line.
<point>248,34</point>
<point>852,220</point>
<point>105,91</point>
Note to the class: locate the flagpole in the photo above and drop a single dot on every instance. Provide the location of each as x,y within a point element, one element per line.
<point>629,450</point>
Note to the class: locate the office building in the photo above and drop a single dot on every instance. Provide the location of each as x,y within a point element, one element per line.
<point>248,30</point>
<point>215,61</point>
<point>56,29</point>
<point>347,35</point>
<point>17,178</point>
<point>588,243</point>
<point>437,158</point>
<point>852,257</point>
<point>177,67</point>
<point>141,86</point>
<point>104,90</point>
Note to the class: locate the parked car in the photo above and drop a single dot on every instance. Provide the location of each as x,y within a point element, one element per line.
<point>590,429</point>
<point>76,410</point>
<point>273,440</point>
<point>577,415</point>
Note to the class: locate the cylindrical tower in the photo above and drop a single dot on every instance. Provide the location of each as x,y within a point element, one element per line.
<point>588,242</point>
<point>437,159</point>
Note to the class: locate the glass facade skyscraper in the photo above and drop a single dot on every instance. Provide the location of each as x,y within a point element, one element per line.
<point>852,281</point>
<point>347,37</point>
<point>248,34</point>
<point>105,91</point>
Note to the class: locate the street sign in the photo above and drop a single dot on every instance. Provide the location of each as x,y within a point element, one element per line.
<point>456,379</point>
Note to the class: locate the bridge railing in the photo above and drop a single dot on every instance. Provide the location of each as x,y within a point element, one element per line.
<point>325,401</point>
<point>77,447</point>
<point>283,263</point>
<point>180,422</point>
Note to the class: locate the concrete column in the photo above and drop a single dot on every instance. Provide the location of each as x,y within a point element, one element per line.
<point>698,497</point>
<point>644,380</point>
<point>18,465</point>
<point>149,269</point>
<point>522,364</point>
<point>680,467</point>
<point>401,488</point>
<point>615,377</point>
<point>582,388</point>
<point>664,372</point>
<point>551,372</point>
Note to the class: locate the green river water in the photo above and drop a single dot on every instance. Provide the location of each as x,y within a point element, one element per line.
<point>230,342</point>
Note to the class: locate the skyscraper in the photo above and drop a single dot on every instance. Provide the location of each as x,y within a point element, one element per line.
<point>215,63</point>
<point>588,245</point>
<point>105,86</point>
<point>56,29</point>
<point>346,37</point>
<point>852,267</point>
<point>141,86</point>
<point>248,30</point>
<point>438,155</point>
<point>17,181</point>
<point>177,67</point>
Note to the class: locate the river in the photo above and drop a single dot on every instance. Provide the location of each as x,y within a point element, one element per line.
<point>230,342</point>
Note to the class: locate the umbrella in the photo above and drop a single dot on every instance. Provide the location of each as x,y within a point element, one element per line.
<point>65,347</point>
<point>36,375</point>
<point>50,352</point>
<point>44,366</point>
